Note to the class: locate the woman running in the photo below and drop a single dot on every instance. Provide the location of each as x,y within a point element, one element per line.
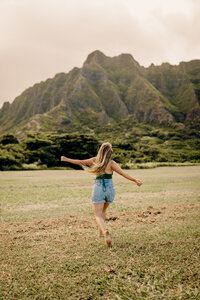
<point>103,191</point>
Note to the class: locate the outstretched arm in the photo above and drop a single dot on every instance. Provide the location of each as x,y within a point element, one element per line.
<point>115,167</point>
<point>83,162</point>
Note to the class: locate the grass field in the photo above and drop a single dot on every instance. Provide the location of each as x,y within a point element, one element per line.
<point>50,248</point>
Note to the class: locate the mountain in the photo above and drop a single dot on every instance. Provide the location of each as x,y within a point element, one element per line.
<point>107,90</point>
<point>181,86</point>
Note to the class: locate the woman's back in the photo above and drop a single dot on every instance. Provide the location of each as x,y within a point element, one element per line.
<point>108,169</point>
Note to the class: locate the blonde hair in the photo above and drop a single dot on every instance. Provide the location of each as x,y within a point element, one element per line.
<point>102,159</point>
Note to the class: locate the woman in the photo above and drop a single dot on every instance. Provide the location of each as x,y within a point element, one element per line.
<point>103,191</point>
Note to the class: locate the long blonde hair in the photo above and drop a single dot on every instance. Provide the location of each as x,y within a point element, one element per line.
<point>102,159</point>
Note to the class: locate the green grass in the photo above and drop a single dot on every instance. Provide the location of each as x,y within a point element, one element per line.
<point>49,244</point>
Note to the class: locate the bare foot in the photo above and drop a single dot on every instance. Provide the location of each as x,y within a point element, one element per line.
<point>107,239</point>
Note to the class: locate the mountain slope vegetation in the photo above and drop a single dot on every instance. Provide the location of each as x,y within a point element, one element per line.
<point>107,90</point>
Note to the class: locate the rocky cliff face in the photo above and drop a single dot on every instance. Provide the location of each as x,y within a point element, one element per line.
<point>106,90</point>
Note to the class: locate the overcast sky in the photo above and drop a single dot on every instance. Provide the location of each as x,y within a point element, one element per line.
<point>39,38</point>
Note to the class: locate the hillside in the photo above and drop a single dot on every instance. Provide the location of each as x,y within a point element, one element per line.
<point>107,90</point>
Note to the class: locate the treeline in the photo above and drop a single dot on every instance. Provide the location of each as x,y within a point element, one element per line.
<point>44,151</point>
<point>143,145</point>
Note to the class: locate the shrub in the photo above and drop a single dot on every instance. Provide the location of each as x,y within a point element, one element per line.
<point>7,160</point>
<point>9,139</point>
<point>125,166</point>
<point>34,144</point>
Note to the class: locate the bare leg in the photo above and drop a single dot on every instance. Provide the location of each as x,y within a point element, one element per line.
<point>104,216</point>
<point>98,212</point>
<point>107,236</point>
<point>99,215</point>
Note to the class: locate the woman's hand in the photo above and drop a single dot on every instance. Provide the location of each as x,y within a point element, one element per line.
<point>138,182</point>
<point>62,158</point>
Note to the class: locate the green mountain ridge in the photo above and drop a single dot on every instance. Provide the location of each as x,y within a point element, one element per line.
<point>107,90</point>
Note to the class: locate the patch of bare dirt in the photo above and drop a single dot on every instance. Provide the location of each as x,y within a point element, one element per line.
<point>47,224</point>
<point>149,215</point>
<point>159,214</point>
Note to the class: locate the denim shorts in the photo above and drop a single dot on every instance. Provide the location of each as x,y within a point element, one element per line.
<point>103,191</point>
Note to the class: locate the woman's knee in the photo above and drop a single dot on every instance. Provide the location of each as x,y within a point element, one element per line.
<point>98,209</point>
<point>98,214</point>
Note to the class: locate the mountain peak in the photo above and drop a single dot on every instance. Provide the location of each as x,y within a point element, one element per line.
<point>4,108</point>
<point>96,56</point>
<point>126,60</point>
<point>126,56</point>
<point>122,60</point>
